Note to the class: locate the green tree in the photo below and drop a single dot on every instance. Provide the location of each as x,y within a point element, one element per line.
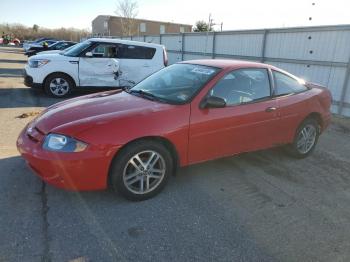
<point>202,26</point>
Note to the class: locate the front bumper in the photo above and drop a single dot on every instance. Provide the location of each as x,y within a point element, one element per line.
<point>28,81</point>
<point>81,171</point>
<point>30,53</point>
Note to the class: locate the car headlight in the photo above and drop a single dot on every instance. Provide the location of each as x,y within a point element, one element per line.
<point>61,143</point>
<point>35,63</point>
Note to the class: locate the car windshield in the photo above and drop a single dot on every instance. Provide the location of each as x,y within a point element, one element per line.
<point>54,44</point>
<point>77,49</point>
<point>175,84</point>
<point>67,49</point>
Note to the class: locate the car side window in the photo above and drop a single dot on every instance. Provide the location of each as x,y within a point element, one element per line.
<point>242,86</point>
<point>285,85</point>
<point>50,42</point>
<point>61,46</point>
<point>105,51</point>
<point>135,52</point>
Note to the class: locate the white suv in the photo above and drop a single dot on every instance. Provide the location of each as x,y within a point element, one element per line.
<point>96,62</point>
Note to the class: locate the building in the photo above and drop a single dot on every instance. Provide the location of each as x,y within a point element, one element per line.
<point>104,25</point>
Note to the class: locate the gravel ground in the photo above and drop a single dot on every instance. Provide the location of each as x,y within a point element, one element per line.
<point>261,206</point>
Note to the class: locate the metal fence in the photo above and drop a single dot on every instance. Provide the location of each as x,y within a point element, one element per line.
<point>318,54</point>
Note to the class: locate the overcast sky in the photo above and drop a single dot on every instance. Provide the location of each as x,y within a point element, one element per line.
<point>234,14</point>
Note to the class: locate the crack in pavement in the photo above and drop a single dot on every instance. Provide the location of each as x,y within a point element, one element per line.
<point>46,257</point>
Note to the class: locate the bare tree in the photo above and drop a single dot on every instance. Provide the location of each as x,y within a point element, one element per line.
<point>35,28</point>
<point>127,10</point>
<point>27,33</point>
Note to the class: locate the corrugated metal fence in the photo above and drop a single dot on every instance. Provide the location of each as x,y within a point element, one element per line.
<point>318,54</point>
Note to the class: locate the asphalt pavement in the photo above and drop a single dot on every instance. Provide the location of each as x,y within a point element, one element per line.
<point>261,206</point>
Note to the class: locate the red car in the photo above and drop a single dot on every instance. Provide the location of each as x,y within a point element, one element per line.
<point>190,112</point>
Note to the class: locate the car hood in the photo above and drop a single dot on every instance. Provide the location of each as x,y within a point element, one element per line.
<point>81,113</point>
<point>53,57</point>
<point>50,52</point>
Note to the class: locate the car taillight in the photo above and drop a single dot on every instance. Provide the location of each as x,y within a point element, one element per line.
<point>165,57</point>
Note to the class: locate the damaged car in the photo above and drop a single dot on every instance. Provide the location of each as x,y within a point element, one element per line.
<point>97,62</point>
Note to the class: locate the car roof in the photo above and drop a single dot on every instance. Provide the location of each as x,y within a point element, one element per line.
<point>126,42</point>
<point>64,41</point>
<point>227,63</point>
<point>232,64</point>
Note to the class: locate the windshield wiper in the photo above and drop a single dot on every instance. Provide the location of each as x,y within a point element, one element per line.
<point>145,94</point>
<point>125,88</point>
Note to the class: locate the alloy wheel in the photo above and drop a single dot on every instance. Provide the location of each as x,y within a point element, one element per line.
<point>144,172</point>
<point>306,138</point>
<point>59,86</point>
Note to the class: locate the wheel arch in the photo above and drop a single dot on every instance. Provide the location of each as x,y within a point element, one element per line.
<point>313,115</point>
<point>316,116</point>
<point>62,73</point>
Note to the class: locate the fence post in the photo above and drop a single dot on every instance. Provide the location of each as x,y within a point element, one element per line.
<point>344,90</point>
<point>214,46</point>
<point>263,48</point>
<point>160,39</point>
<point>182,46</point>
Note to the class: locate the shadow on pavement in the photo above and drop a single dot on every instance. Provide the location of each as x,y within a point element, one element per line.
<point>13,61</point>
<point>13,50</point>
<point>11,72</point>
<point>35,97</point>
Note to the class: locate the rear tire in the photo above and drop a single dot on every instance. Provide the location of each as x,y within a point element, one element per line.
<point>305,139</point>
<point>58,85</point>
<point>141,170</point>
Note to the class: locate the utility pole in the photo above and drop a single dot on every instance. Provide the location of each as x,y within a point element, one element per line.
<point>209,23</point>
<point>208,28</point>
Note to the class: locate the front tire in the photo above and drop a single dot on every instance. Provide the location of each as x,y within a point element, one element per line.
<point>141,170</point>
<point>305,139</point>
<point>58,85</point>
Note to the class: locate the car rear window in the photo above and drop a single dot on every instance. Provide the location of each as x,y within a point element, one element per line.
<point>285,85</point>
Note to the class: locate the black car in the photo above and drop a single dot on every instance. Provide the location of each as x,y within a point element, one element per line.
<point>42,39</point>
<point>60,45</point>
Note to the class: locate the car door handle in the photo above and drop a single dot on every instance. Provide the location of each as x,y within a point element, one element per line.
<point>270,109</point>
<point>146,65</point>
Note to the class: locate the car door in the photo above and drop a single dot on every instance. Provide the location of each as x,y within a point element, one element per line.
<point>96,67</point>
<point>136,63</point>
<point>291,97</point>
<point>247,122</point>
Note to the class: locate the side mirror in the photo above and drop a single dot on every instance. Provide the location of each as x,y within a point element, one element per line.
<point>213,102</point>
<point>89,54</point>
